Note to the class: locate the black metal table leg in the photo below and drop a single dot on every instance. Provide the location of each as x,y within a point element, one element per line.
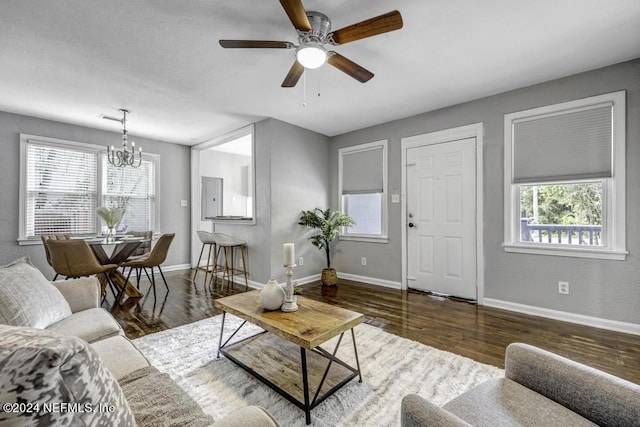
<point>224,314</point>
<point>305,385</point>
<point>355,350</point>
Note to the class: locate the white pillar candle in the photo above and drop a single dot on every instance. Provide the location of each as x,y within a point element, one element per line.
<point>288,254</point>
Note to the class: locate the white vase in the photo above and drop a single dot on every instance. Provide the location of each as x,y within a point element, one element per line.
<point>272,295</point>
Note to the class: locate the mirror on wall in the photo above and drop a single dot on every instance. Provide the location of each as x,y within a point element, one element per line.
<point>226,175</point>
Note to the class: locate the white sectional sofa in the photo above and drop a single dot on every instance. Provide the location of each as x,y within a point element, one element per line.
<point>65,361</point>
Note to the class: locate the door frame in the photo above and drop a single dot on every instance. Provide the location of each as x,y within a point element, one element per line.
<point>476,131</point>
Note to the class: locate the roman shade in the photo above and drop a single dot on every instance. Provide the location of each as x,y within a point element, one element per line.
<point>570,145</point>
<point>362,171</point>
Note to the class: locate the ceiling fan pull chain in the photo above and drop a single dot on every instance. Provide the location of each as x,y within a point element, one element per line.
<point>304,90</point>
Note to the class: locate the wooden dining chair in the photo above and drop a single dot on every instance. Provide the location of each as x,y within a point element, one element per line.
<point>156,257</point>
<point>46,237</point>
<point>74,258</point>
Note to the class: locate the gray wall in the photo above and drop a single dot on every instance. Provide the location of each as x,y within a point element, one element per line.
<point>291,175</point>
<point>174,186</point>
<point>299,181</point>
<point>600,288</point>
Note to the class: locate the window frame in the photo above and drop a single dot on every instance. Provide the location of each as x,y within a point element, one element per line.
<point>376,238</point>
<point>613,188</point>
<point>99,151</point>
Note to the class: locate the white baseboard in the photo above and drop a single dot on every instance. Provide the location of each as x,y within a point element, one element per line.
<point>596,322</point>
<point>371,280</point>
<point>297,281</point>
<point>176,267</point>
<point>308,279</point>
<point>316,277</point>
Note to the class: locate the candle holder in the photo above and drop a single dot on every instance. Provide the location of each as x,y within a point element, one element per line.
<point>289,300</point>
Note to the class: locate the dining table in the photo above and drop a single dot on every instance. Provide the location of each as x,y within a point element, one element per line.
<point>116,251</point>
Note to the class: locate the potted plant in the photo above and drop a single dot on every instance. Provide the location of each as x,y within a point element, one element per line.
<point>328,222</point>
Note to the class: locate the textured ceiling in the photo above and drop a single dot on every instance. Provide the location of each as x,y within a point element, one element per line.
<point>73,60</point>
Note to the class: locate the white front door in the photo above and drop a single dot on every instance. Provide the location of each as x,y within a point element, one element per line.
<point>441,218</point>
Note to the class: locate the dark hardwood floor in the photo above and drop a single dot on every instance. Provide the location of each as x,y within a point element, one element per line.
<point>478,332</point>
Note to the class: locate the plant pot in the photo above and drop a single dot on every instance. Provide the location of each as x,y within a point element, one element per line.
<point>329,277</point>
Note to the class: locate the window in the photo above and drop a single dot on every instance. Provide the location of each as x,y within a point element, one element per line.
<point>131,189</point>
<point>363,186</point>
<point>565,179</point>
<point>63,182</point>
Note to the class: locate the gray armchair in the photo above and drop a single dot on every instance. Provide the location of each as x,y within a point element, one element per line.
<point>539,389</point>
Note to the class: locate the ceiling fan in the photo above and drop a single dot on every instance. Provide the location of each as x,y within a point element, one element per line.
<point>314,31</point>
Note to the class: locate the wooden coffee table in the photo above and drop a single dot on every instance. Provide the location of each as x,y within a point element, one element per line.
<point>287,355</point>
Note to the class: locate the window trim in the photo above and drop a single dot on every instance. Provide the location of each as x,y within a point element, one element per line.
<point>99,150</point>
<point>614,189</point>
<point>373,238</point>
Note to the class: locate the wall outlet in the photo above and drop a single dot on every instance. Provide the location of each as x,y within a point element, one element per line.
<point>301,261</point>
<point>183,203</point>
<point>563,288</point>
<point>363,260</point>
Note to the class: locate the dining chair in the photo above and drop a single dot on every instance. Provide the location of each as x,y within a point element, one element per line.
<point>145,246</point>
<point>156,257</point>
<point>46,237</point>
<point>74,258</point>
<point>142,250</point>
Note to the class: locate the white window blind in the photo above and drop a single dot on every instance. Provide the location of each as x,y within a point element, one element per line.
<point>61,190</point>
<point>132,189</point>
<point>574,144</point>
<point>363,171</point>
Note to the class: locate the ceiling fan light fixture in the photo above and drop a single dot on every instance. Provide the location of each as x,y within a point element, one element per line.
<point>311,56</point>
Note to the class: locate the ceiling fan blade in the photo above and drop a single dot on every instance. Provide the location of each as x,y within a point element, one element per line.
<point>260,44</point>
<point>371,27</point>
<point>348,66</point>
<point>294,75</point>
<point>297,14</point>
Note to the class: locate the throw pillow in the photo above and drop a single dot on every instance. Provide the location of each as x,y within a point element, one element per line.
<point>27,298</point>
<point>50,379</point>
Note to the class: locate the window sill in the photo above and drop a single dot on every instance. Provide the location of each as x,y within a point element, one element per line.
<point>608,254</point>
<point>232,220</point>
<point>23,241</point>
<point>370,239</point>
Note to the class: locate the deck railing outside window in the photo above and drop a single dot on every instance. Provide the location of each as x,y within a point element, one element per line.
<point>560,233</point>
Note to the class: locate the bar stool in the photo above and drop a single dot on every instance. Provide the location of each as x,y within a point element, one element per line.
<point>229,245</point>
<point>207,239</point>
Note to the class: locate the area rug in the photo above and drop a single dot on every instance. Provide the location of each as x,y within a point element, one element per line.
<point>391,368</point>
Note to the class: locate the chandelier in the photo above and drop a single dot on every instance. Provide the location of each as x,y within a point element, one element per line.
<point>126,156</point>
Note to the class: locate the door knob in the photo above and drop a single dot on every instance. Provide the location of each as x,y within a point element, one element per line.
<point>411,225</point>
